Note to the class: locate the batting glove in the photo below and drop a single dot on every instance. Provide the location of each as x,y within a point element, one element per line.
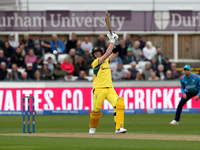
<point>115,49</point>
<point>116,37</point>
<point>112,38</point>
<point>109,36</point>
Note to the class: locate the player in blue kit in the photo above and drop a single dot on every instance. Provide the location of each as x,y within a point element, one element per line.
<point>190,87</point>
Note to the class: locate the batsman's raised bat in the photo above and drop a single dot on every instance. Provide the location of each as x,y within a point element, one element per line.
<point>107,19</point>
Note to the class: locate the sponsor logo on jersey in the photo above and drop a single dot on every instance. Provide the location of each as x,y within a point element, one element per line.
<point>102,68</point>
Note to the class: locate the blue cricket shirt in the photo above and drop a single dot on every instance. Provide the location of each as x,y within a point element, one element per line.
<point>191,84</point>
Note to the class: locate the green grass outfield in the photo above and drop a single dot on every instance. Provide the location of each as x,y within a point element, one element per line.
<point>140,123</point>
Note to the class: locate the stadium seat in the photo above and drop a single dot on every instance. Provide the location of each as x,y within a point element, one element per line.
<point>140,70</point>
<point>142,64</point>
<point>196,72</point>
<point>9,70</point>
<point>179,69</point>
<point>90,72</point>
<point>39,66</point>
<point>198,69</point>
<point>89,78</point>
<point>137,67</point>
<point>61,57</point>
<point>21,70</point>
<point>46,56</point>
<point>126,67</point>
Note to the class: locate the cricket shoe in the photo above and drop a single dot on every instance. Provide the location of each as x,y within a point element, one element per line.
<point>120,130</point>
<point>174,122</point>
<point>92,130</point>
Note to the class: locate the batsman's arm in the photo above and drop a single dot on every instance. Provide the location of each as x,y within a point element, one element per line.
<point>112,56</point>
<point>114,53</point>
<point>107,54</point>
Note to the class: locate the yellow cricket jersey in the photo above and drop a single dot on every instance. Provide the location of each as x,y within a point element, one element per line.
<point>102,74</point>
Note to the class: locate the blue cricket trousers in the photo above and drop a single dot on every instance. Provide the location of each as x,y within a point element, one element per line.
<point>182,103</point>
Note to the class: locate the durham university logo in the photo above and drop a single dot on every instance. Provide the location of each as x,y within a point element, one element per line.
<point>162,20</point>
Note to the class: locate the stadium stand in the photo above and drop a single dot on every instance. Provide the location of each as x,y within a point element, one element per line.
<point>46,56</point>
<point>61,57</point>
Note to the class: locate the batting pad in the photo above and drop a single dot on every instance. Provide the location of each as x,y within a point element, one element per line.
<point>120,113</point>
<point>94,119</point>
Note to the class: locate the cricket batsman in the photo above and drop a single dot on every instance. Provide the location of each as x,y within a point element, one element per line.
<point>103,87</point>
<point>190,87</point>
